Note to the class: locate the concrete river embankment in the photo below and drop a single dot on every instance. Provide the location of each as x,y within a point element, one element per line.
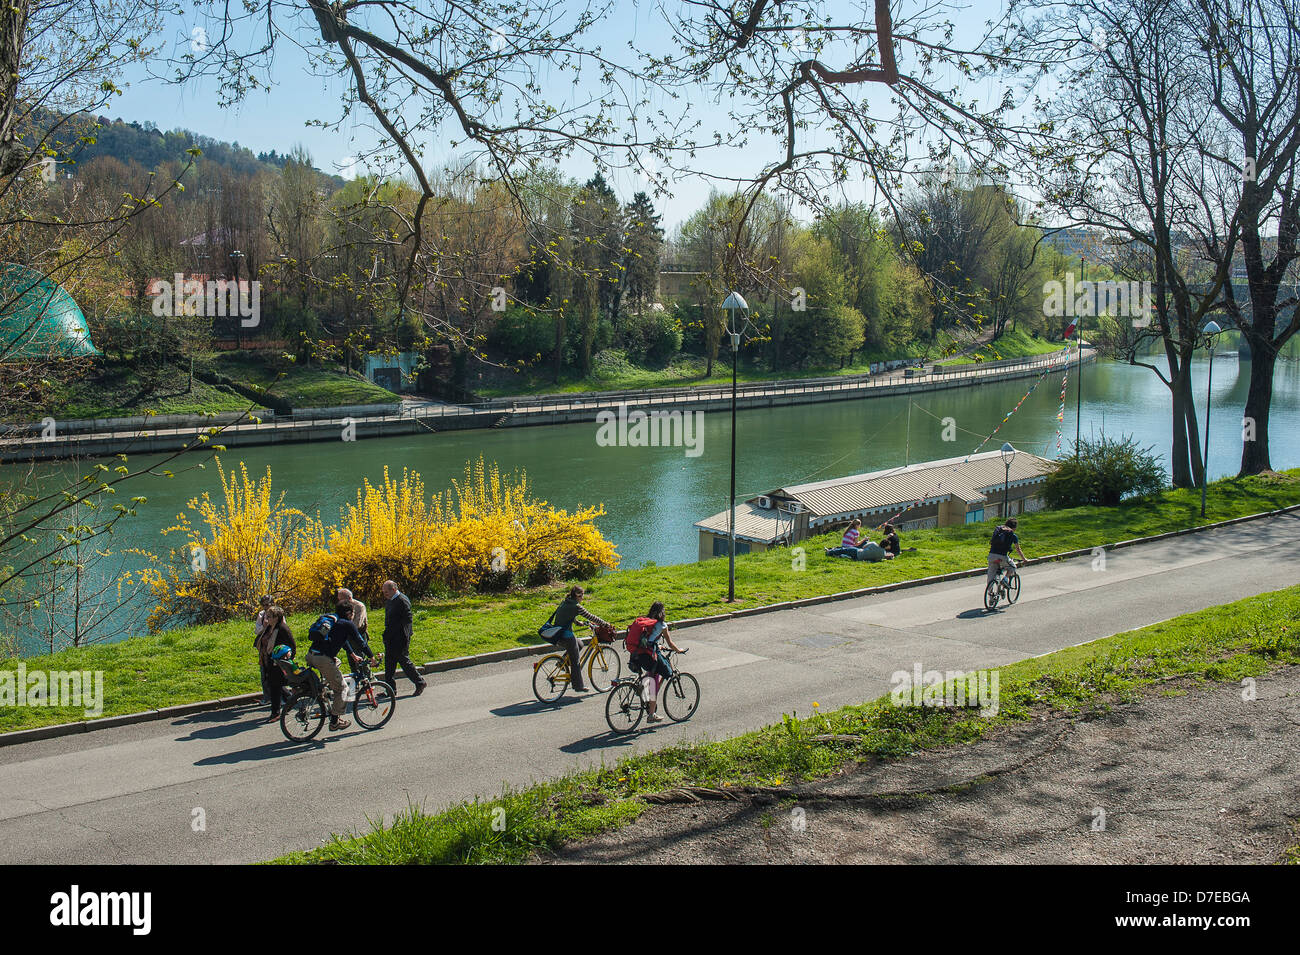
<point>53,439</point>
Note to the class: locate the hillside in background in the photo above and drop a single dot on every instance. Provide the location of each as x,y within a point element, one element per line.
<point>146,144</point>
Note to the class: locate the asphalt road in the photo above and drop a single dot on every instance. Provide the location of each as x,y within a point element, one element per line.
<point>132,794</point>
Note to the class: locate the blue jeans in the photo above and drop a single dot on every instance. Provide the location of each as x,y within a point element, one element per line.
<point>567,641</point>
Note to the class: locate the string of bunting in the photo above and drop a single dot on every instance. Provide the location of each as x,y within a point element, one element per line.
<point>1060,412</point>
<point>1022,400</point>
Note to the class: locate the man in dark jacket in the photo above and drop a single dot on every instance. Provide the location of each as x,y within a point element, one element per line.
<point>397,638</point>
<point>323,655</point>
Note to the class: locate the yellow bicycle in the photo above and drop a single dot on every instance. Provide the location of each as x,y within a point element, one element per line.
<point>551,676</point>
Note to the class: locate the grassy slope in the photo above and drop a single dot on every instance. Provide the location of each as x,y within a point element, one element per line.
<point>116,391</point>
<point>1018,344</point>
<point>302,386</point>
<point>1227,643</point>
<point>201,663</point>
<point>686,371</point>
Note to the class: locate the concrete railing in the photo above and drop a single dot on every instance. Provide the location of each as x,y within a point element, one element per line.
<point>138,423</point>
<point>168,432</point>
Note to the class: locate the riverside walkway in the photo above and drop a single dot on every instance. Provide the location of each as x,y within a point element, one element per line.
<point>128,794</point>
<point>171,433</point>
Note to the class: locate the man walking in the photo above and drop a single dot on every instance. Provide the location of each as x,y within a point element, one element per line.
<point>397,638</point>
<point>359,616</point>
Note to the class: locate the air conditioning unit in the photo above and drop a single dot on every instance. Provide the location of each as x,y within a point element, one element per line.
<point>792,507</point>
<point>765,502</point>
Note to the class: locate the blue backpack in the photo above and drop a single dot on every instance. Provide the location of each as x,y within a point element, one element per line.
<point>320,630</point>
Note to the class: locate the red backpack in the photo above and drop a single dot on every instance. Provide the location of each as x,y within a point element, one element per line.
<point>639,627</point>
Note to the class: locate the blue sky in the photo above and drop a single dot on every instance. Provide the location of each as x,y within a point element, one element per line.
<point>278,119</point>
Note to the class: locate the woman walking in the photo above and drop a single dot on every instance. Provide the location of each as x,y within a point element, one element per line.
<point>274,631</point>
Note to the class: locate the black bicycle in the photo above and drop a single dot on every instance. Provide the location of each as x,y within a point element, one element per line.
<point>1005,586</point>
<point>304,715</point>
<point>627,704</point>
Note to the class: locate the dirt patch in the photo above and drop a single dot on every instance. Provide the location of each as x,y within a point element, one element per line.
<point>1188,774</point>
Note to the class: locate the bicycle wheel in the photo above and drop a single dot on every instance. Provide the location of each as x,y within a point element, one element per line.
<point>623,707</point>
<point>604,668</point>
<point>551,678</point>
<point>991,593</point>
<point>681,697</point>
<point>302,717</point>
<point>374,705</point>
<point>1013,588</point>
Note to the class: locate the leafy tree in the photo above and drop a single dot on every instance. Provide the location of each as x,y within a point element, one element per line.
<point>644,243</point>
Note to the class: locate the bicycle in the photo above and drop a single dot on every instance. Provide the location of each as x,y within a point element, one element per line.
<point>626,703</point>
<point>304,714</point>
<point>551,676</point>
<point>1005,586</point>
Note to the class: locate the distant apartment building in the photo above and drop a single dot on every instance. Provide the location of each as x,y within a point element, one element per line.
<point>678,281</point>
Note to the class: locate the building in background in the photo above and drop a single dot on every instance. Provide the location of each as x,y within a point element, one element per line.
<point>931,494</point>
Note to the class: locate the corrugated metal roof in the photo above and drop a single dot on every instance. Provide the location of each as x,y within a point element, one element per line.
<point>753,523</point>
<point>972,479</point>
<point>980,470</point>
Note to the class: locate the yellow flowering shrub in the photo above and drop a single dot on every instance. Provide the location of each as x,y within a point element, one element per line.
<point>237,548</point>
<point>485,533</point>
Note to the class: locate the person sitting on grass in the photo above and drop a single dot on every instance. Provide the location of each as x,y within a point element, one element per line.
<point>849,543</point>
<point>855,546</point>
<point>889,543</point>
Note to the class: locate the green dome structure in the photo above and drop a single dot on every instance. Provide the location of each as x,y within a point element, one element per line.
<point>38,318</point>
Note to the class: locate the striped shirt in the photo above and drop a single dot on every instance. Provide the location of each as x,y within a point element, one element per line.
<point>850,538</point>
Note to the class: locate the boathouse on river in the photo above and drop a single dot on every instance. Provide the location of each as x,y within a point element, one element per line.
<point>914,497</point>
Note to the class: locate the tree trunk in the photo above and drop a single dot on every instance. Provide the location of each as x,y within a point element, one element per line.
<point>13,34</point>
<point>559,345</point>
<point>1193,427</point>
<point>1180,459</point>
<point>1259,399</point>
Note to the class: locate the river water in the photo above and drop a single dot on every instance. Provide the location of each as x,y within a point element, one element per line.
<point>653,496</point>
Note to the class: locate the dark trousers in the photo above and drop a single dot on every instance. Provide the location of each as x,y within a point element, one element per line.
<point>567,642</point>
<point>273,684</point>
<point>398,650</point>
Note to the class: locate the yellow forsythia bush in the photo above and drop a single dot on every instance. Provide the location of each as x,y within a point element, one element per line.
<point>237,548</point>
<point>485,533</point>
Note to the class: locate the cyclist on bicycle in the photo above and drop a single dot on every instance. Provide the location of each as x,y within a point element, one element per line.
<point>569,610</point>
<point>323,655</point>
<point>645,633</point>
<point>1004,538</point>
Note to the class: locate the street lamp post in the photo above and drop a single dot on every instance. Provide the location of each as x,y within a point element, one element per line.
<point>734,302</point>
<point>1008,455</point>
<point>1211,332</point>
<point>1078,341</point>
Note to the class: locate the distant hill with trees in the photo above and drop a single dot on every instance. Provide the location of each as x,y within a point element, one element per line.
<point>151,147</point>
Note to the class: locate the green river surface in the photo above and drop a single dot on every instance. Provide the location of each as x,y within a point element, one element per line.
<point>653,496</point>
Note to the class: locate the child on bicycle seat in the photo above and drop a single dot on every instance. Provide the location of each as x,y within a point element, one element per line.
<point>642,643</point>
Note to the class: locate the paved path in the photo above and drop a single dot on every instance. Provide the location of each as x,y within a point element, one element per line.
<point>128,794</point>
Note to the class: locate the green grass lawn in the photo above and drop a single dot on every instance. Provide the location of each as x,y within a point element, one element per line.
<point>613,372</point>
<point>303,386</point>
<point>199,663</point>
<point>117,390</point>
<point>1222,644</point>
